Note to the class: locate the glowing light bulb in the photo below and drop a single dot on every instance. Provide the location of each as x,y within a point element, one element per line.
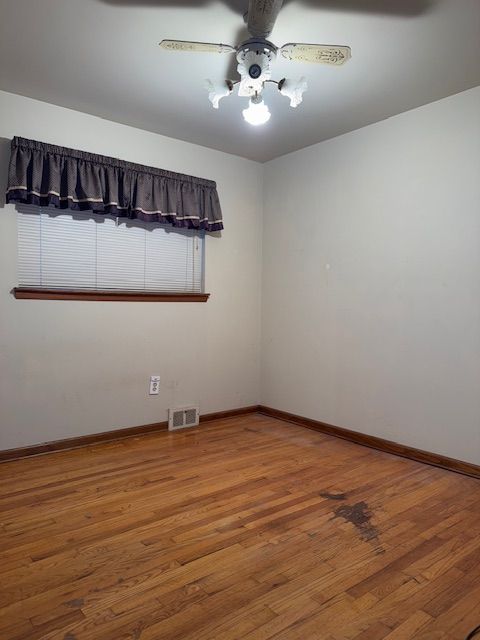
<point>257,112</point>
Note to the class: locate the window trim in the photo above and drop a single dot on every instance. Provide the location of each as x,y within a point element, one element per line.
<point>34,293</point>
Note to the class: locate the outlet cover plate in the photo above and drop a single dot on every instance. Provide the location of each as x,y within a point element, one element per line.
<point>154,385</point>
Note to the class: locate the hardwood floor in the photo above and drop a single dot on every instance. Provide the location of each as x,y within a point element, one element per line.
<point>247,528</point>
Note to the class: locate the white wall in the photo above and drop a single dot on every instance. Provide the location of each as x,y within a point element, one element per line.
<point>371,282</point>
<point>72,368</point>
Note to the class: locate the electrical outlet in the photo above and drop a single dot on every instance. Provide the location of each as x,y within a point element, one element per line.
<point>154,385</point>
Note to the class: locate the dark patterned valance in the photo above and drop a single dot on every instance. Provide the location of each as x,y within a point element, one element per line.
<point>44,174</point>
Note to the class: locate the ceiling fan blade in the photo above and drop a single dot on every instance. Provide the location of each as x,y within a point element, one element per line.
<point>196,47</point>
<point>261,16</point>
<point>322,53</point>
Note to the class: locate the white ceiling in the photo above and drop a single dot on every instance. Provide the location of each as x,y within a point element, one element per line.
<point>101,57</point>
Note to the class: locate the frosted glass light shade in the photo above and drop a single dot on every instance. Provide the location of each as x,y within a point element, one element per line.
<point>257,113</point>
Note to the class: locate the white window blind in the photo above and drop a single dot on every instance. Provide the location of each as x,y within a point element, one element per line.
<point>70,251</point>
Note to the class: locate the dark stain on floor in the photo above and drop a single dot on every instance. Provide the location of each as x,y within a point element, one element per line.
<point>357,514</point>
<point>333,496</point>
<point>360,516</point>
<point>78,602</point>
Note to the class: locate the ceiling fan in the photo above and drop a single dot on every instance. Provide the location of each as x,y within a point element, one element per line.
<point>255,57</point>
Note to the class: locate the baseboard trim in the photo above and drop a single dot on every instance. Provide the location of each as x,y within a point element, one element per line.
<point>387,446</point>
<point>374,442</point>
<point>109,436</point>
<point>230,413</point>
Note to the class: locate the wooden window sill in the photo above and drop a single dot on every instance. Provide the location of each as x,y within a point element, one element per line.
<point>24,293</point>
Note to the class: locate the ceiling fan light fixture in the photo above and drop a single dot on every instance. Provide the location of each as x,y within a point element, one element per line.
<point>257,112</point>
<point>255,57</point>
<point>293,90</point>
<point>218,90</point>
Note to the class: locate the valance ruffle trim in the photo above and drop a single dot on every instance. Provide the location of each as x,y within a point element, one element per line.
<point>45,175</point>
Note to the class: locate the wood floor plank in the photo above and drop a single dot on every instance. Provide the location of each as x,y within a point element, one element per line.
<point>247,527</point>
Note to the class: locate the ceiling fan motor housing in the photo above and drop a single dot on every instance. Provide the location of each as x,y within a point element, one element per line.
<point>254,65</point>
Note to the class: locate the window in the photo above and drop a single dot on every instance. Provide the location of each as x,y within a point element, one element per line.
<point>89,252</point>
